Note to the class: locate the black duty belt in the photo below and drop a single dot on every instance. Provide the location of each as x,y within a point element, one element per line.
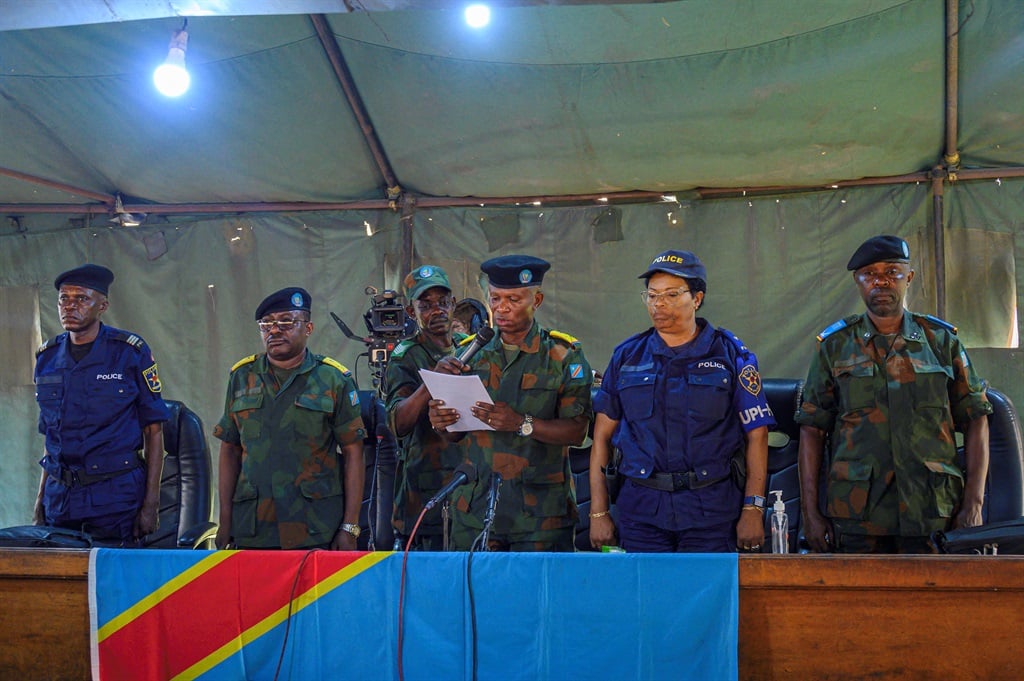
<point>73,478</point>
<point>673,482</point>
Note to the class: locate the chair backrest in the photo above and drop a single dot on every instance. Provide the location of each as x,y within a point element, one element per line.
<point>783,395</point>
<point>1005,486</point>
<point>186,488</point>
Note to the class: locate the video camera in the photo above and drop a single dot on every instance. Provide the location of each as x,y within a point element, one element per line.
<point>387,324</point>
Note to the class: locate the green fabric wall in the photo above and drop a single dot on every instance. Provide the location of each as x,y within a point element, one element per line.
<point>776,276</point>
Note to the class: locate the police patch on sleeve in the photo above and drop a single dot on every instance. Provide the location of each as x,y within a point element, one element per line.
<point>750,379</point>
<point>152,379</point>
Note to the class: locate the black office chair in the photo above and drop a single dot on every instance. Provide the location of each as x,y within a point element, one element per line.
<point>186,487</point>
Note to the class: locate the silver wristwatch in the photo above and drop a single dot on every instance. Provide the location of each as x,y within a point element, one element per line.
<point>526,427</point>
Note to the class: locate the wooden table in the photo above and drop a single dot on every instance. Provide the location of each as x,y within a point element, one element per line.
<point>801,617</point>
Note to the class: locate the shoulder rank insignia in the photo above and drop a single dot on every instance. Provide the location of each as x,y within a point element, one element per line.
<point>837,326</point>
<point>564,337</point>
<point>734,339</point>
<point>401,348</point>
<point>245,360</point>
<point>129,338</point>
<point>938,322</point>
<point>47,344</point>
<point>336,364</point>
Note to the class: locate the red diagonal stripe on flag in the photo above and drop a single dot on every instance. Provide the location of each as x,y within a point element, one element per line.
<point>212,609</point>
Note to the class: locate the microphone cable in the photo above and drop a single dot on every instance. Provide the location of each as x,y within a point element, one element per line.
<point>291,601</point>
<point>401,593</point>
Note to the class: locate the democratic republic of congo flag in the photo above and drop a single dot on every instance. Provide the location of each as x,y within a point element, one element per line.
<point>179,614</point>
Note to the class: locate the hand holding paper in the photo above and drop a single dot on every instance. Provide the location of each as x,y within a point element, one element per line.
<point>459,393</point>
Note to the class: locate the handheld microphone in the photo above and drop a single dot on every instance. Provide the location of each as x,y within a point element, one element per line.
<point>483,337</point>
<point>466,472</point>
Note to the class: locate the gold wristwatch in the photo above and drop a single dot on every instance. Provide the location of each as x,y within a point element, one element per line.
<point>351,529</point>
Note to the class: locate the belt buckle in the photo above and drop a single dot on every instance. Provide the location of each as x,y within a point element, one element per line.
<point>681,481</point>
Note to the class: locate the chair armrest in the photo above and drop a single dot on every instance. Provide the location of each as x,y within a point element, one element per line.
<point>199,536</point>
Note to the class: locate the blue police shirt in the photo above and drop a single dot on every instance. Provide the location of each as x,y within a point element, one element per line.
<point>93,412</point>
<point>682,409</point>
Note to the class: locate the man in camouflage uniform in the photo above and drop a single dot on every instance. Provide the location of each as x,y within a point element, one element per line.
<point>425,458</point>
<point>889,387</point>
<point>540,383</point>
<point>282,483</point>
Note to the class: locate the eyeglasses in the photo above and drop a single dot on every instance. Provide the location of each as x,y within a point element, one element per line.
<point>284,325</point>
<point>442,304</point>
<point>671,297</point>
<point>891,274</point>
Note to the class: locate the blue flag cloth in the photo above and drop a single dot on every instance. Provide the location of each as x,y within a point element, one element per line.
<point>244,614</point>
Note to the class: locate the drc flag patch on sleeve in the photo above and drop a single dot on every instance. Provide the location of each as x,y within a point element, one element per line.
<point>353,397</point>
<point>576,371</point>
<point>152,379</point>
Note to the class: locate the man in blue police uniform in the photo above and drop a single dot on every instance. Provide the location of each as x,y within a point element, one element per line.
<point>680,400</point>
<point>100,409</point>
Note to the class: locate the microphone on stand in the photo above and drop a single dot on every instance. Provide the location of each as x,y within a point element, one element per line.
<point>492,503</point>
<point>465,472</point>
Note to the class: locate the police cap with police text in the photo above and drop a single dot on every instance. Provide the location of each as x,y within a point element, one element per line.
<point>293,298</point>
<point>96,277</point>
<point>678,263</point>
<point>515,271</point>
<point>883,248</point>
<point>423,278</point>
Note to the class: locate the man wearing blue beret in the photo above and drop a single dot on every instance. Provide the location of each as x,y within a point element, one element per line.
<point>540,383</point>
<point>281,482</point>
<point>101,411</point>
<point>890,387</point>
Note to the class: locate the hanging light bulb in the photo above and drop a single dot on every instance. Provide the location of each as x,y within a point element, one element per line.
<point>171,78</point>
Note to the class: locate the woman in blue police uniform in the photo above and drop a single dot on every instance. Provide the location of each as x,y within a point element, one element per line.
<point>679,400</point>
<point>99,407</point>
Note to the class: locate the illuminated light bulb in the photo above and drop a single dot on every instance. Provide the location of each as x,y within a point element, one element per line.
<point>478,16</point>
<point>171,78</point>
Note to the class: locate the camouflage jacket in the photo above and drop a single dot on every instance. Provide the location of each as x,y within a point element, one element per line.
<point>891,414</point>
<point>549,378</point>
<point>290,490</point>
<point>425,459</point>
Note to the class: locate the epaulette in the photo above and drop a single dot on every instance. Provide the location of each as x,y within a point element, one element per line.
<point>564,337</point>
<point>244,361</point>
<point>129,338</point>
<point>47,344</point>
<point>938,322</point>
<point>336,364</point>
<point>400,349</point>
<point>734,339</point>
<point>837,326</point>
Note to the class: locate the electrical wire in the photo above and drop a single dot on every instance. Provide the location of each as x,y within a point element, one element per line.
<point>401,594</point>
<point>288,619</point>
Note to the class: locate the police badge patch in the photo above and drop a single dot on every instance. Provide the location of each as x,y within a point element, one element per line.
<point>152,379</point>
<point>750,379</point>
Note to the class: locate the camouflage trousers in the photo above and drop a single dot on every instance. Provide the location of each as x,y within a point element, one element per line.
<point>559,540</point>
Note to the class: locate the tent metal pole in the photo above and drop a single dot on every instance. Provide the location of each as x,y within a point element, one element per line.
<point>355,101</point>
<point>408,218</point>
<point>952,81</point>
<point>77,191</point>
<point>938,242</point>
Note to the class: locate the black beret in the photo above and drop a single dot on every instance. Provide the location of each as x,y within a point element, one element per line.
<point>515,271</point>
<point>293,298</point>
<point>679,263</point>
<point>96,277</point>
<point>879,249</point>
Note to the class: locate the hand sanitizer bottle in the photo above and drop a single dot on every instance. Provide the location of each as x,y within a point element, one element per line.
<point>780,525</point>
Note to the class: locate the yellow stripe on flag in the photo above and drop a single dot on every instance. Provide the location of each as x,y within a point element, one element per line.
<point>301,601</point>
<point>165,590</point>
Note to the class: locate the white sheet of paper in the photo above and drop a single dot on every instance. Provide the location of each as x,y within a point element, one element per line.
<point>460,393</point>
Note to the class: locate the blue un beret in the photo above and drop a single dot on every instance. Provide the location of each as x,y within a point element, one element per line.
<point>96,277</point>
<point>515,271</point>
<point>879,249</point>
<point>293,298</point>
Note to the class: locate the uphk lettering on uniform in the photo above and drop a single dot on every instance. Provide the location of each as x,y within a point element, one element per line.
<point>748,415</point>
